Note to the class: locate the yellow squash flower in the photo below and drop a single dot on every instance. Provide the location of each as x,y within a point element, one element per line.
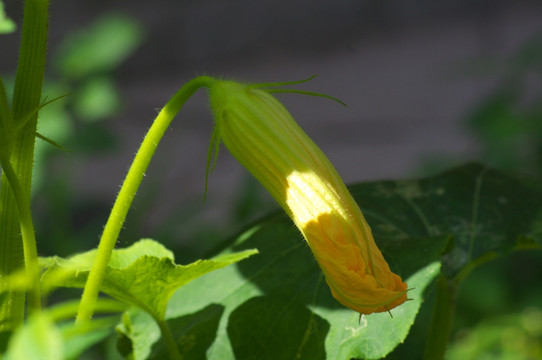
<point>263,136</point>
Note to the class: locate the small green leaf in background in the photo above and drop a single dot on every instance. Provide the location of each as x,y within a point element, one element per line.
<point>143,274</point>
<point>6,24</point>
<point>99,48</point>
<point>277,305</point>
<point>97,99</point>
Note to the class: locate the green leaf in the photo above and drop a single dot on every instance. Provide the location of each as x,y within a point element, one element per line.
<point>277,305</point>
<point>512,336</point>
<point>282,298</point>
<point>97,99</point>
<point>137,332</point>
<point>100,47</point>
<point>486,211</point>
<point>195,332</point>
<point>39,338</point>
<point>80,337</point>
<point>6,24</point>
<point>143,274</point>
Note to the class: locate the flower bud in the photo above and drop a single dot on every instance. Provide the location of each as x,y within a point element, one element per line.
<point>262,135</point>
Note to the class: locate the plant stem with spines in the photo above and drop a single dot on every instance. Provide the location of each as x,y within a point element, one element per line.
<point>128,191</point>
<point>26,99</point>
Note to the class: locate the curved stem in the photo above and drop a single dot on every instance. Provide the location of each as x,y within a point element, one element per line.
<point>28,235</point>
<point>128,191</point>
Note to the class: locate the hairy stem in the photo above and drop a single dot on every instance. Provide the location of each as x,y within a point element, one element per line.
<point>441,323</point>
<point>128,191</point>
<point>26,99</point>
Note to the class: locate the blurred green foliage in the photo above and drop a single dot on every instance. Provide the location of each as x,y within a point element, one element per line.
<point>508,123</point>
<point>6,24</point>
<point>99,48</point>
<point>499,310</point>
<point>84,64</point>
<point>509,337</point>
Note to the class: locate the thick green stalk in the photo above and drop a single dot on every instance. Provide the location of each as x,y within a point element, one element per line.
<point>29,238</point>
<point>26,99</point>
<point>128,191</point>
<point>441,323</point>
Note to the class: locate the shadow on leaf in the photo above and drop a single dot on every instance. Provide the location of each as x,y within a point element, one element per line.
<point>193,333</point>
<point>267,318</point>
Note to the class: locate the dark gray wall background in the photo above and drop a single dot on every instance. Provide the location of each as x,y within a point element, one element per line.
<point>395,63</point>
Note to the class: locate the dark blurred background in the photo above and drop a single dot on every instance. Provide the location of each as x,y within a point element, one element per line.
<point>428,85</point>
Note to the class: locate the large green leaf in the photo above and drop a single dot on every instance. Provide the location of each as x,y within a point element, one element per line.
<point>143,274</point>
<point>487,212</point>
<point>278,306</point>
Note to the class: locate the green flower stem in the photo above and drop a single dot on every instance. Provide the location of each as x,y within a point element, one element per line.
<point>128,191</point>
<point>29,238</point>
<point>167,336</point>
<point>441,323</point>
<point>26,100</point>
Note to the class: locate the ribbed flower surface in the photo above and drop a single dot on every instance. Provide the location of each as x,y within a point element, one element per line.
<point>263,136</point>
